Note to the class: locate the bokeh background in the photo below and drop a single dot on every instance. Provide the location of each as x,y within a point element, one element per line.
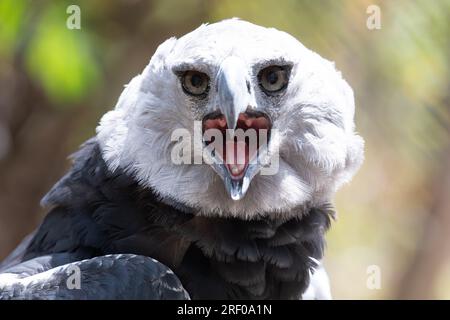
<point>55,84</point>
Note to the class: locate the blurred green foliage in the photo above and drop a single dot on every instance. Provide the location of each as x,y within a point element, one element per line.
<point>62,60</point>
<point>11,16</point>
<point>59,59</point>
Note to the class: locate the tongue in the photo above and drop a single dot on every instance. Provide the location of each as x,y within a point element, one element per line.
<point>236,157</point>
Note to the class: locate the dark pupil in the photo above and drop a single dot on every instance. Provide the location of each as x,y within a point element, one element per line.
<point>272,77</point>
<point>196,80</point>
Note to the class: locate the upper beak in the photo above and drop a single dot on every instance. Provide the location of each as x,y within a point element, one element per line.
<point>233,88</point>
<point>234,98</point>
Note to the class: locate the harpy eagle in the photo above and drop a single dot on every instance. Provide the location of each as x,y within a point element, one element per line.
<point>138,225</point>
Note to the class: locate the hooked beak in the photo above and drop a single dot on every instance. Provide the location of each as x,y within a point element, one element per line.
<point>236,161</point>
<point>233,88</point>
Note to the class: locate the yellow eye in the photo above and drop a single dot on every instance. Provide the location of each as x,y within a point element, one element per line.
<point>273,78</point>
<point>195,83</point>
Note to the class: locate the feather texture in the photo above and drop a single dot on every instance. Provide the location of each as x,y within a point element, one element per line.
<point>96,212</point>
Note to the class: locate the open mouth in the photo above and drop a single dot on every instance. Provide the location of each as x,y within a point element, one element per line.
<point>237,149</point>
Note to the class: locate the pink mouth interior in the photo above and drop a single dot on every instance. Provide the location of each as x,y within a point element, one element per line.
<point>237,162</point>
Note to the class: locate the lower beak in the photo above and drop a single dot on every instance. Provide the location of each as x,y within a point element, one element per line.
<point>237,188</point>
<point>236,158</point>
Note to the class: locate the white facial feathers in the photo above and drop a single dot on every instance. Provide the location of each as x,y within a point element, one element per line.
<point>314,116</point>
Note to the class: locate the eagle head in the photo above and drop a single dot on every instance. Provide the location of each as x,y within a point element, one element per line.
<point>234,119</point>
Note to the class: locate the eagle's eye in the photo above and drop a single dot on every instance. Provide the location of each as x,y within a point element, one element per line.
<point>273,79</point>
<point>195,83</point>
